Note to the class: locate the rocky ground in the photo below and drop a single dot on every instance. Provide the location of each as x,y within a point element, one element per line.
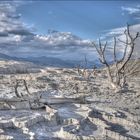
<point>58,103</point>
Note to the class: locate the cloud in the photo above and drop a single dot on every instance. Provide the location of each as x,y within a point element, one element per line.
<point>115,32</point>
<point>10,24</point>
<point>131,10</point>
<point>3,34</point>
<point>19,39</point>
<point>119,33</point>
<point>19,32</point>
<point>62,39</point>
<point>134,12</point>
<point>12,28</point>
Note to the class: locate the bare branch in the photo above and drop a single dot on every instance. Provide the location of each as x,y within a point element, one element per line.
<point>115,57</point>
<point>104,46</point>
<point>96,48</point>
<point>117,77</point>
<point>131,49</point>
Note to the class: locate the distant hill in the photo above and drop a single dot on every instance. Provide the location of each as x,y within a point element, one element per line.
<point>49,61</point>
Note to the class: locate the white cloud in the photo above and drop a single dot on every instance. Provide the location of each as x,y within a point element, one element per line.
<point>12,29</point>
<point>115,32</point>
<point>131,10</point>
<point>10,24</point>
<point>134,12</point>
<point>119,33</point>
<point>62,39</point>
<point>17,39</point>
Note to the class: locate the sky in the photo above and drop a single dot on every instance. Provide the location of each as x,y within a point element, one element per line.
<point>64,29</point>
<point>87,19</point>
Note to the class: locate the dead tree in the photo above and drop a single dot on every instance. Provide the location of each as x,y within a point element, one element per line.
<point>83,70</point>
<point>18,83</point>
<point>26,86</point>
<point>16,88</point>
<point>117,76</point>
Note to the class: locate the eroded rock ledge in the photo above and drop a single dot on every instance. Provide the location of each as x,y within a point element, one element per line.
<point>63,118</point>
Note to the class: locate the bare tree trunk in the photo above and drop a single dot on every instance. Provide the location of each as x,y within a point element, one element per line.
<point>26,87</point>
<point>117,76</point>
<point>16,89</point>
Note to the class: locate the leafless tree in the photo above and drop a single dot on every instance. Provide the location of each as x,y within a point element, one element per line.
<point>117,76</point>
<point>16,88</point>
<point>83,70</point>
<point>17,83</point>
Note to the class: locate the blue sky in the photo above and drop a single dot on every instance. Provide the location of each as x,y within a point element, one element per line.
<point>87,19</point>
<point>24,26</point>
